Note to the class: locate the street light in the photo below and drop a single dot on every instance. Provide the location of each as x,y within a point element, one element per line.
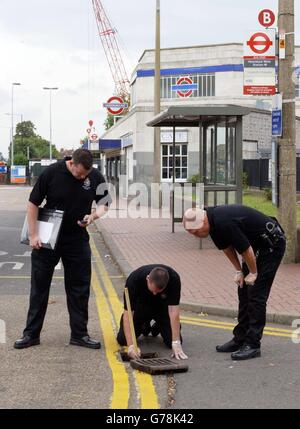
<point>12,122</point>
<point>50,91</point>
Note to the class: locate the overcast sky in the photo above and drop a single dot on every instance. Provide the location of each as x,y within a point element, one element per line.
<point>55,43</point>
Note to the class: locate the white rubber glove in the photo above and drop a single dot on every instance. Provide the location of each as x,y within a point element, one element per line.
<point>239,278</point>
<point>133,353</point>
<point>250,279</point>
<point>178,352</point>
<point>88,220</point>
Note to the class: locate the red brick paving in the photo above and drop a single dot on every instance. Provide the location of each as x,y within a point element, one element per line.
<point>206,274</point>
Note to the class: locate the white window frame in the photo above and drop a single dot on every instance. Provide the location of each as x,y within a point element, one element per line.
<point>169,145</point>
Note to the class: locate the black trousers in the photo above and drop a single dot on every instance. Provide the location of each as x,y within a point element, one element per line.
<point>144,314</point>
<point>75,253</point>
<point>253,299</point>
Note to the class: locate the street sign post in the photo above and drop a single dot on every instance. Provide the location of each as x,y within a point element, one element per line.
<point>282,45</point>
<point>259,63</point>
<point>274,168</point>
<point>277,116</point>
<point>18,174</point>
<point>115,105</point>
<point>266,18</point>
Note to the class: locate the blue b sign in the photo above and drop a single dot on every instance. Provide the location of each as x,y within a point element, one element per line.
<point>276,123</point>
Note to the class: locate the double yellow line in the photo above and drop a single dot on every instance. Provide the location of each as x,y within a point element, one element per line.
<point>206,323</point>
<point>110,310</point>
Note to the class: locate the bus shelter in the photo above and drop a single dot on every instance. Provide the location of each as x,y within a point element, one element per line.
<point>220,148</point>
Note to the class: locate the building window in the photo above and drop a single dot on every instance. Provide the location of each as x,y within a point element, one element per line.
<point>181,162</point>
<point>205,86</point>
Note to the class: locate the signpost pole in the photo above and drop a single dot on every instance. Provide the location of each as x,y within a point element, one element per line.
<point>287,144</point>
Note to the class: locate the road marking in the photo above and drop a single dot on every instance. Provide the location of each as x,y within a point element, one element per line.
<point>227,328</point>
<point>17,265</point>
<point>25,255</point>
<point>120,395</point>
<point>232,325</point>
<point>3,253</point>
<point>147,392</point>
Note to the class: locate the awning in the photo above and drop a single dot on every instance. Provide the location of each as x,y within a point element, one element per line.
<point>103,145</point>
<point>188,116</point>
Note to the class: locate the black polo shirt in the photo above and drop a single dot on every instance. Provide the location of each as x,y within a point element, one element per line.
<point>140,294</point>
<point>238,226</point>
<point>63,191</point>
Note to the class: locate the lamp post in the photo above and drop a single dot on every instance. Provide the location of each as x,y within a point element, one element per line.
<point>12,122</point>
<point>50,92</point>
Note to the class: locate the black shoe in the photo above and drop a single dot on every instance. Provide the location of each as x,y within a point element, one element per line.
<point>85,342</point>
<point>155,329</point>
<point>231,346</point>
<point>26,341</point>
<point>246,352</point>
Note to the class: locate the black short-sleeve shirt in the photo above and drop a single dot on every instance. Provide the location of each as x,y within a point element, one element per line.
<point>140,294</point>
<point>75,197</point>
<point>238,226</point>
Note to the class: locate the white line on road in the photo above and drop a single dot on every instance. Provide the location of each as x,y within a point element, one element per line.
<point>26,254</point>
<point>17,265</point>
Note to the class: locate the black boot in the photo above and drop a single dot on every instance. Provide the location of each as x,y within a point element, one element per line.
<point>231,346</point>
<point>246,352</point>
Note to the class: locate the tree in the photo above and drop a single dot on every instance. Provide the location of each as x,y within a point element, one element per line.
<point>26,138</point>
<point>109,122</point>
<point>25,129</point>
<point>20,159</point>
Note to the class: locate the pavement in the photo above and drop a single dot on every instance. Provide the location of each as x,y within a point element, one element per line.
<point>206,275</point>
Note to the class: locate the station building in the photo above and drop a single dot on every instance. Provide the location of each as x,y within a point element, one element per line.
<point>217,71</point>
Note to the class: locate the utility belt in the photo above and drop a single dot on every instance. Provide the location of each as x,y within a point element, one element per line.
<point>273,234</point>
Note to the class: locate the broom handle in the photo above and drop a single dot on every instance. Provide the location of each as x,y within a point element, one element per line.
<point>132,331</point>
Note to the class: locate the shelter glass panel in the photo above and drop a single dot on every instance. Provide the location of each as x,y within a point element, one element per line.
<point>221,153</point>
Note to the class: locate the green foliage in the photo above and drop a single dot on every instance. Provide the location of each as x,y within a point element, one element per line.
<point>20,159</point>
<point>268,194</point>
<point>109,122</point>
<point>26,137</point>
<point>25,129</point>
<point>245,181</point>
<point>194,179</point>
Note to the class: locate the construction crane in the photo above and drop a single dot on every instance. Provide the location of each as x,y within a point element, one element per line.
<point>109,41</point>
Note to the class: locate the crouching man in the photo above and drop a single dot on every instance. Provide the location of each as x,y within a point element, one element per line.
<point>154,293</point>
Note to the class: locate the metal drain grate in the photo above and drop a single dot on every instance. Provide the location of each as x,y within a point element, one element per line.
<point>158,365</point>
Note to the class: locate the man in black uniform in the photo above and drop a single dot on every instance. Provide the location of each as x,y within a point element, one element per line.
<point>154,293</point>
<point>260,241</point>
<point>70,185</point>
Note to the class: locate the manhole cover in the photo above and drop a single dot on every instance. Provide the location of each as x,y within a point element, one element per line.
<point>158,365</point>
